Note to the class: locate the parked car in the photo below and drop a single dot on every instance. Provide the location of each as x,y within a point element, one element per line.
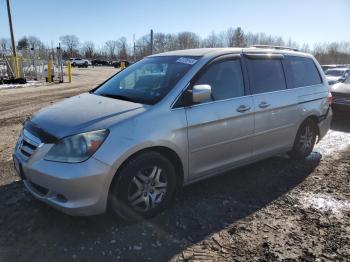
<point>341,95</point>
<point>170,120</point>
<point>335,75</point>
<point>79,62</point>
<point>100,62</point>
<point>326,67</point>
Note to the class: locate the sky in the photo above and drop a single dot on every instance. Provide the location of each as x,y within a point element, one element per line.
<point>304,21</point>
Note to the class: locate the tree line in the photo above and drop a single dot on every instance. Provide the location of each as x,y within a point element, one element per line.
<point>326,53</point>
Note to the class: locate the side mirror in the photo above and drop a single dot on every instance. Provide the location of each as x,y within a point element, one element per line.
<point>201,93</point>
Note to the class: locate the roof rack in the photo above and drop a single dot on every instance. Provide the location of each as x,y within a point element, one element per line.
<point>275,47</point>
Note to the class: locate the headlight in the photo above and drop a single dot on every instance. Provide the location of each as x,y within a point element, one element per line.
<point>77,148</point>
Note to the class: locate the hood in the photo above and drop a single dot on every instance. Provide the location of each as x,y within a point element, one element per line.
<point>83,113</point>
<point>341,88</point>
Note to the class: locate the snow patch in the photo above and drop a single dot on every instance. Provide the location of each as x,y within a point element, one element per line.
<point>28,84</point>
<point>323,203</point>
<point>336,142</point>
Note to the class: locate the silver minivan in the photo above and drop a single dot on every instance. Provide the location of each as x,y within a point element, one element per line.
<point>170,120</point>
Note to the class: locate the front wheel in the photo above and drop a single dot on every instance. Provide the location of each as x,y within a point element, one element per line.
<point>305,140</point>
<point>144,187</point>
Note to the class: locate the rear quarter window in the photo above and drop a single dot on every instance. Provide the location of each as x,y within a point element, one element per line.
<point>302,71</point>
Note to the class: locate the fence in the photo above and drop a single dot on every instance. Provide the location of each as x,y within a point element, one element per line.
<point>30,69</point>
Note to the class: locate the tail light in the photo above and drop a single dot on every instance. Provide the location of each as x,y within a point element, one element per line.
<point>330,98</point>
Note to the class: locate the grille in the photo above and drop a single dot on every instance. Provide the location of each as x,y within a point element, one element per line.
<point>28,144</point>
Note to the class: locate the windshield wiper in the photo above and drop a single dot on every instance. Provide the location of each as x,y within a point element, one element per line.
<point>120,97</point>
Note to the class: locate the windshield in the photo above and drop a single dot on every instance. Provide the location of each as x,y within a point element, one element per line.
<point>334,72</point>
<point>148,80</point>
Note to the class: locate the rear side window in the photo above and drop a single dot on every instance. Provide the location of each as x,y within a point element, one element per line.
<point>303,71</point>
<point>266,75</point>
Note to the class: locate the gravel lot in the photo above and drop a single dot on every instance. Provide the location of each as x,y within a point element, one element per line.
<point>274,210</point>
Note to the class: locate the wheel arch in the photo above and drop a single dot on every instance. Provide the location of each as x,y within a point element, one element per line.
<point>314,118</point>
<point>167,152</point>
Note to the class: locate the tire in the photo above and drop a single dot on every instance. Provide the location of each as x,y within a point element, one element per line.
<point>74,64</point>
<point>143,187</point>
<point>305,140</point>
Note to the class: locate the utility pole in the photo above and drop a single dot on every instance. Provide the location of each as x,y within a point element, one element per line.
<point>12,38</point>
<point>134,52</point>
<point>151,41</point>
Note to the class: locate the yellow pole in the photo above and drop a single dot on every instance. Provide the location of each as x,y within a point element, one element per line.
<point>69,72</point>
<point>49,71</point>
<point>122,65</point>
<point>17,67</point>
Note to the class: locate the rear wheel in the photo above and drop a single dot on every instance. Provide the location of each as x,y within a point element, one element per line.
<point>305,140</point>
<point>144,187</point>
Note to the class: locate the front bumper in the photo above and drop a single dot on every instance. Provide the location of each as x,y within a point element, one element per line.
<point>75,189</point>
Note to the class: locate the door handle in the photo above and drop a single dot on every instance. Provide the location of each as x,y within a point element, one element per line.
<point>243,108</point>
<point>264,105</point>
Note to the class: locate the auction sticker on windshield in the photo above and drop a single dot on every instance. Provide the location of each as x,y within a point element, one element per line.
<point>186,60</point>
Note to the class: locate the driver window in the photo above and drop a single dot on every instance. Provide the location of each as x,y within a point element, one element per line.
<point>225,79</point>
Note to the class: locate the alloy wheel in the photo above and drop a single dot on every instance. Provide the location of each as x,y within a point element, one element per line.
<point>306,138</point>
<point>147,188</point>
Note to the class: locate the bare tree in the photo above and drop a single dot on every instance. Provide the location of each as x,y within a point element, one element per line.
<point>35,43</point>
<point>5,45</point>
<point>236,37</point>
<point>187,40</point>
<point>337,52</point>
<point>71,43</point>
<point>305,48</point>
<point>171,42</point>
<point>88,49</point>
<point>142,47</point>
<point>122,45</point>
<point>111,48</point>
<point>214,40</point>
<point>160,43</point>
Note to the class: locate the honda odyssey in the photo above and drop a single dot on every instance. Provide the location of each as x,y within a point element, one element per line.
<point>170,120</point>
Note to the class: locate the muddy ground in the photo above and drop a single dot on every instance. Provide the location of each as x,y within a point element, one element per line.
<point>274,210</point>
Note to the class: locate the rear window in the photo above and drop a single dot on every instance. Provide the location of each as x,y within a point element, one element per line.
<point>303,71</point>
<point>266,75</point>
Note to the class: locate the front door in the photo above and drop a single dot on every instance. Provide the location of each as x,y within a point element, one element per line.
<point>220,130</point>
